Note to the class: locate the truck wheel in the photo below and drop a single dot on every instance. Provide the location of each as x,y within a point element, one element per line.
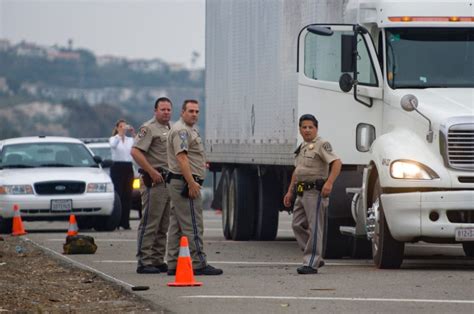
<point>225,178</point>
<point>110,223</point>
<point>241,200</point>
<point>361,248</point>
<point>387,252</point>
<point>468,248</point>
<point>269,202</point>
<point>336,245</point>
<point>6,225</point>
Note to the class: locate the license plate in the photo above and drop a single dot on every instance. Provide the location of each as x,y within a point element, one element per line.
<point>465,234</point>
<point>61,205</point>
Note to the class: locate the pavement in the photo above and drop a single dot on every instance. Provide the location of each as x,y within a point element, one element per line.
<point>260,277</point>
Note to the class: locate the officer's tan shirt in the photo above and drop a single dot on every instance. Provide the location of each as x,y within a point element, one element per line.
<point>151,140</point>
<point>183,138</point>
<point>313,160</point>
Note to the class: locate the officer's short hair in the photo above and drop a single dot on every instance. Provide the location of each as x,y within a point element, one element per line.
<point>162,99</point>
<point>308,117</point>
<point>187,101</point>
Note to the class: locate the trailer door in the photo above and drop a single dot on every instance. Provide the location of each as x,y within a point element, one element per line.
<point>348,124</point>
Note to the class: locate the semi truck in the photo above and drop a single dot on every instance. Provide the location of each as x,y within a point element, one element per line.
<point>392,85</point>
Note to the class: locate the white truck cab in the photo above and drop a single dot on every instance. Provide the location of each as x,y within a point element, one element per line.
<point>397,84</point>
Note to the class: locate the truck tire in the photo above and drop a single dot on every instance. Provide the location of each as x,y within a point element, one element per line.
<point>269,202</point>
<point>241,200</point>
<point>110,223</point>
<point>468,248</point>
<point>6,225</point>
<point>336,245</point>
<point>225,179</point>
<point>361,248</point>
<point>387,252</point>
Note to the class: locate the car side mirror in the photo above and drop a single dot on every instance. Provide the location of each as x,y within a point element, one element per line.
<point>97,159</point>
<point>107,163</point>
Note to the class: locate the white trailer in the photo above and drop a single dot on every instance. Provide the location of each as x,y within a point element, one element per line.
<point>391,82</point>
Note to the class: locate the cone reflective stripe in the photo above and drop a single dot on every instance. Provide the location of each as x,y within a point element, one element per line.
<point>73,229</point>
<point>17,228</point>
<point>184,269</point>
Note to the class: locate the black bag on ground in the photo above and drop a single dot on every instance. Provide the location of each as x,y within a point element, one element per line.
<point>79,244</point>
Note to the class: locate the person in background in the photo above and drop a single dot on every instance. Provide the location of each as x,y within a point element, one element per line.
<point>121,171</point>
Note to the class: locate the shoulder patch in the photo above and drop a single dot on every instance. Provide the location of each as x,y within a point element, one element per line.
<point>183,135</point>
<point>142,132</point>
<point>327,147</point>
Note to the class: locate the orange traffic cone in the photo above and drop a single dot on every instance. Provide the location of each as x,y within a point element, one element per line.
<point>18,228</point>
<point>184,270</point>
<point>73,229</point>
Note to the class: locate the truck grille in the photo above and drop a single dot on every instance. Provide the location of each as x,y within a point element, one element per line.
<point>60,187</point>
<point>460,146</point>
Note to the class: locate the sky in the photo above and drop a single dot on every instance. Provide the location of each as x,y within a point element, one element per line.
<point>167,29</point>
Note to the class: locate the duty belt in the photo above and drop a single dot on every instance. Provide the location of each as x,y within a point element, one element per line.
<point>147,181</point>
<point>306,186</point>
<point>181,177</point>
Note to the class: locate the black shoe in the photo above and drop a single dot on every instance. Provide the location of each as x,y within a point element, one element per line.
<point>162,267</point>
<point>306,270</point>
<point>148,270</point>
<point>171,272</point>
<point>208,271</point>
<point>321,264</point>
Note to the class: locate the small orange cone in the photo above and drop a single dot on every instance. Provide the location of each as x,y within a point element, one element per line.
<point>184,270</point>
<point>73,229</point>
<point>18,228</point>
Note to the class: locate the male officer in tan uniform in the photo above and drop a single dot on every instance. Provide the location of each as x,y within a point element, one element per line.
<point>187,165</point>
<point>149,151</point>
<point>313,182</point>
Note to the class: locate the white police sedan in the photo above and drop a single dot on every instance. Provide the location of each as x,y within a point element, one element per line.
<point>52,177</point>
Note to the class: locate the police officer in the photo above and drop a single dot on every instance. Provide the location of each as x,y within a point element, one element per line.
<point>149,152</point>
<point>317,167</point>
<point>187,165</point>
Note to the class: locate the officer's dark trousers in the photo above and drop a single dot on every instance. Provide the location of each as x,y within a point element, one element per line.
<point>122,177</point>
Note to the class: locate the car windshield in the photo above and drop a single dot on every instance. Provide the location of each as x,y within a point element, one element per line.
<point>103,152</point>
<point>29,155</point>
<point>430,57</point>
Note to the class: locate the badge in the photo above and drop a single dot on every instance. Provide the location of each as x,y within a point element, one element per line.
<point>311,146</point>
<point>142,132</point>
<point>327,147</point>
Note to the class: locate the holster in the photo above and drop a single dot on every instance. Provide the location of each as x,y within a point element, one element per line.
<point>147,181</point>
<point>185,190</point>
<point>305,186</point>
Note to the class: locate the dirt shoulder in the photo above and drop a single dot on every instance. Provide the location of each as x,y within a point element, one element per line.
<point>34,281</point>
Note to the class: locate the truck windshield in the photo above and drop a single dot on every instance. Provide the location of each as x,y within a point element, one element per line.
<point>430,57</point>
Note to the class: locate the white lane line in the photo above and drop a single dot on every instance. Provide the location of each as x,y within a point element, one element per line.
<point>81,265</point>
<point>326,299</point>
<point>96,240</point>
<point>245,263</point>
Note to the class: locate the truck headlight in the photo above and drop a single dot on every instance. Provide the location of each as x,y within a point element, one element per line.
<point>100,187</point>
<point>410,169</point>
<point>17,189</point>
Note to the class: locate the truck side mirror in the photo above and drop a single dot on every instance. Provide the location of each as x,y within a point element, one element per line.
<point>347,53</point>
<point>409,102</point>
<point>319,30</point>
<point>346,82</point>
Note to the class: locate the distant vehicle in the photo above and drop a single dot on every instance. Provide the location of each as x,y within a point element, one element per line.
<point>101,147</point>
<point>53,177</point>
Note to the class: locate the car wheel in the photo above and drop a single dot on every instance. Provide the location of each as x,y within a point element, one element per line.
<point>468,248</point>
<point>387,252</point>
<point>110,223</point>
<point>6,225</point>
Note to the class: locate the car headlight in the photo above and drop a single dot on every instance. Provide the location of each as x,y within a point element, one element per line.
<point>136,184</point>
<point>100,187</point>
<point>409,169</point>
<point>17,189</point>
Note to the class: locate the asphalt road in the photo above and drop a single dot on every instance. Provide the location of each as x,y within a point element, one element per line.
<point>260,277</point>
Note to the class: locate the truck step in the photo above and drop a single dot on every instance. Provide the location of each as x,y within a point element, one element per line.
<point>348,230</point>
<point>353,190</point>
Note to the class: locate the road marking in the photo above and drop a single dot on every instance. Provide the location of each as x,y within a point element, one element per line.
<point>81,265</point>
<point>246,263</point>
<point>220,229</point>
<point>97,240</point>
<point>326,299</point>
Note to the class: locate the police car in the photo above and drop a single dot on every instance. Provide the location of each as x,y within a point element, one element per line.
<point>52,177</point>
